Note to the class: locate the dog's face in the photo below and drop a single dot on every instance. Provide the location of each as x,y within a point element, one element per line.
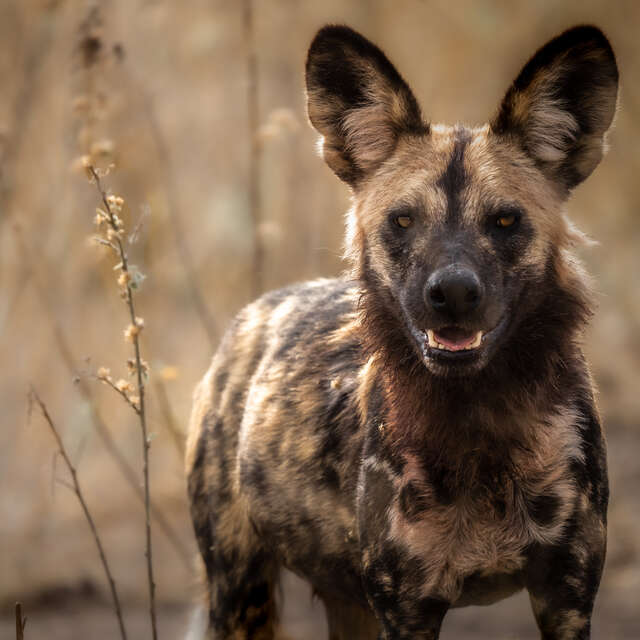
<point>457,229</point>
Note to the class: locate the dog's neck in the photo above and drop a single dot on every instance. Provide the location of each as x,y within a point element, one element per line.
<point>492,411</point>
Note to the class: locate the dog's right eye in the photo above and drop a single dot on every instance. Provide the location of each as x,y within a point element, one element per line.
<point>403,221</point>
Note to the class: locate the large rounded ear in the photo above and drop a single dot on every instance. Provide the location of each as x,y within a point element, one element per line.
<point>357,101</point>
<point>561,105</point>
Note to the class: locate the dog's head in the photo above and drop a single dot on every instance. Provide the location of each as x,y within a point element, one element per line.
<point>454,231</point>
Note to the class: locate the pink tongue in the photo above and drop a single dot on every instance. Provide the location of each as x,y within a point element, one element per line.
<point>455,342</point>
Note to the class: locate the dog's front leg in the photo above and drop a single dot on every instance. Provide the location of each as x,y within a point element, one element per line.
<point>393,579</point>
<point>563,580</point>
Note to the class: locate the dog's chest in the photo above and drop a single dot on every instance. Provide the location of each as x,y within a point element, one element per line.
<point>470,541</point>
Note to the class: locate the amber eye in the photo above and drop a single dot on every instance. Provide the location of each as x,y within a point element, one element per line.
<point>403,221</point>
<point>506,221</point>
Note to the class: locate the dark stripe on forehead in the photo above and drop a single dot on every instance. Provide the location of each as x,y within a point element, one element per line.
<point>455,178</point>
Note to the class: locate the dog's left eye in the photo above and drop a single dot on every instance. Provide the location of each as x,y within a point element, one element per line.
<point>403,221</point>
<point>506,221</point>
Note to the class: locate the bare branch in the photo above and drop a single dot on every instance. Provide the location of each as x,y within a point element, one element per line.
<point>105,243</point>
<point>78,491</point>
<point>121,393</point>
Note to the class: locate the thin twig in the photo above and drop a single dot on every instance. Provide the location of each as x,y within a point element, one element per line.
<point>255,151</point>
<point>167,413</point>
<point>20,622</point>
<point>105,243</point>
<point>78,491</point>
<point>141,413</point>
<point>121,393</point>
<point>112,449</point>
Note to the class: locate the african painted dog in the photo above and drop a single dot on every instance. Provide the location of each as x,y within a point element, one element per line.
<point>423,434</point>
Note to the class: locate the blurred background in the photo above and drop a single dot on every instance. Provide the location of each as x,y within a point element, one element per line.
<point>170,93</point>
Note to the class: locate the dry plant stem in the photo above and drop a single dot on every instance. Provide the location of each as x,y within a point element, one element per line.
<point>98,422</point>
<point>142,416</point>
<point>20,622</point>
<point>124,396</point>
<point>255,195</point>
<point>85,509</point>
<point>169,418</point>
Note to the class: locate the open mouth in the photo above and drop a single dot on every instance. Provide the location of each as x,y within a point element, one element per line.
<point>454,338</point>
<point>454,347</point>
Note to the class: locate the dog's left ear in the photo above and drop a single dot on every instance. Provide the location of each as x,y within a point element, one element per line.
<point>358,102</point>
<point>561,106</point>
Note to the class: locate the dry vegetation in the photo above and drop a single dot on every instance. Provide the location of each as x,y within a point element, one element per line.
<point>168,93</point>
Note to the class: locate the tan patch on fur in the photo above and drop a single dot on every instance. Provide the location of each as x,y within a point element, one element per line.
<point>367,377</point>
<point>550,128</point>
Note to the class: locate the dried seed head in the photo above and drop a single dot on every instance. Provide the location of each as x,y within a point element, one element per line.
<point>124,386</point>
<point>103,373</point>
<point>131,332</point>
<point>124,278</point>
<point>115,203</point>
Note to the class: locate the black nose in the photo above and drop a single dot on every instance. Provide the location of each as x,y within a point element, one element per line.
<point>455,290</point>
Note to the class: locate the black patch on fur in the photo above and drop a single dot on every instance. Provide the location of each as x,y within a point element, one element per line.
<point>413,502</point>
<point>543,509</point>
<point>592,473</point>
<point>242,587</point>
<point>396,240</point>
<point>253,474</point>
<point>455,177</point>
<point>509,243</point>
<point>221,380</point>
<point>393,582</point>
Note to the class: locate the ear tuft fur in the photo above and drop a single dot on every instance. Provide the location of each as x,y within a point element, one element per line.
<point>562,104</point>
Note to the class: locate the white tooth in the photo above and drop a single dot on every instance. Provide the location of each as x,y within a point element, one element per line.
<point>477,340</point>
<point>431,338</point>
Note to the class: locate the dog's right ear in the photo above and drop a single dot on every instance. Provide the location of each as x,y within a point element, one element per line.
<point>358,102</point>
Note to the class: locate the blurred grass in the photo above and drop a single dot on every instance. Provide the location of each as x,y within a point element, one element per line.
<point>173,102</point>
